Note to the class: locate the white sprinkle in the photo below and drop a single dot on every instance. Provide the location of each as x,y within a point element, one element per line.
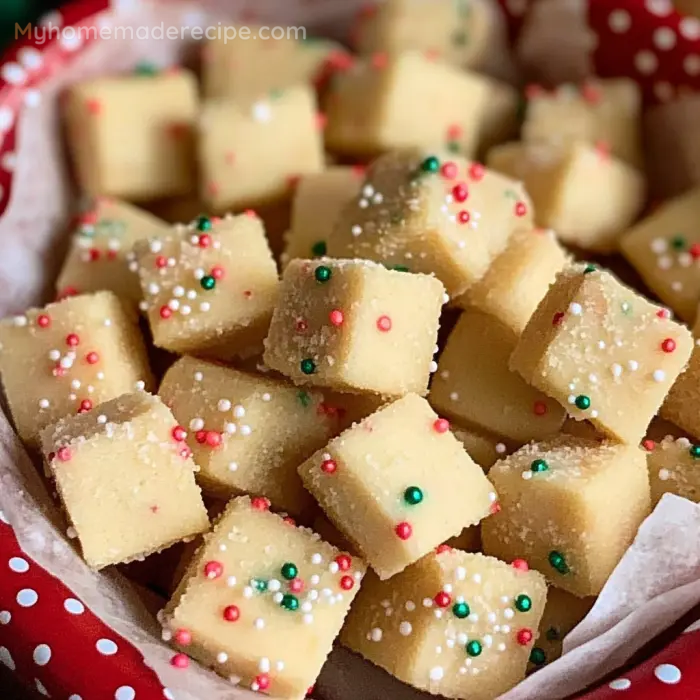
<point>527,475</point>
<point>436,673</point>
<point>316,558</point>
<point>178,291</point>
<point>191,294</point>
<point>230,428</point>
<point>356,230</point>
<point>205,306</point>
<point>259,623</point>
<point>247,592</point>
<point>508,614</point>
<point>308,618</point>
<point>245,430</point>
<point>238,411</point>
<point>224,405</point>
<point>473,617</point>
<point>140,385</point>
<point>198,376</point>
<point>659,375</point>
<point>405,628</point>
<point>410,606</point>
<point>664,474</point>
<point>156,246</point>
<point>616,369</point>
<point>222,657</point>
<point>460,573</point>
<point>315,579</point>
<point>266,397</point>
<point>273,585</point>
<point>576,309</point>
<point>196,424</point>
<point>153,288</point>
<point>44,403</point>
<point>376,634</point>
<point>633,365</point>
<point>427,602</point>
<point>174,304</point>
<point>233,466</point>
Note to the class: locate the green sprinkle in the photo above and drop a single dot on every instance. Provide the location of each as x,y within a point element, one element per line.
<point>290,602</point>
<point>553,634</point>
<point>582,402</point>
<point>276,93</point>
<point>289,571</point>
<point>145,69</point>
<point>453,146</point>
<point>208,282</point>
<point>537,656</point>
<point>318,249</point>
<point>259,585</point>
<point>589,268</point>
<point>539,465</point>
<point>323,274</point>
<point>523,603</point>
<point>558,562</point>
<point>399,268</point>
<point>308,366</point>
<point>474,648</point>
<point>430,165</point>
<point>203,223</point>
<point>413,495</point>
<point>678,242</point>
<point>461,610</point>
<point>695,451</point>
<point>459,38</point>
<point>304,398</point>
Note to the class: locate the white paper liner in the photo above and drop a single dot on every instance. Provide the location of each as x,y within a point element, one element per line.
<point>655,584</point>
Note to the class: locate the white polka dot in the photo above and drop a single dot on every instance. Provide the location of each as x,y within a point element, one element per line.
<point>73,606</point>
<point>71,39</point>
<point>51,18</point>
<point>125,692</point>
<point>42,654</point>
<point>5,617</point>
<point>167,694</point>
<point>668,673</point>
<point>74,697</point>
<point>691,64</point>
<point>619,21</point>
<point>620,684</point>
<point>13,73</point>
<point>32,98</point>
<point>663,91</point>
<point>6,658</point>
<point>27,597</point>
<point>689,28</point>
<point>660,8</point>
<point>664,38</point>
<point>7,119</point>
<point>645,62</point>
<point>106,647</point>
<point>40,687</point>
<point>19,565</point>
<point>30,58</point>
<point>9,161</point>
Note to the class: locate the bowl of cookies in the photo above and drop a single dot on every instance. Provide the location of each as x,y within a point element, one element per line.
<point>349,351</point>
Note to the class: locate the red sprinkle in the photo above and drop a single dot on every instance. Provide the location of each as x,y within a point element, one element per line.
<point>302,326</point>
<point>213,569</point>
<point>64,454</point>
<point>260,503</point>
<point>495,508</point>
<point>85,406</point>
<point>476,171</point>
<point>262,681</point>
<point>231,613</point>
<point>72,340</point>
<point>520,565</point>
<point>180,661</point>
<point>648,445</point>
<point>694,251</point>
<point>92,358</point>
<point>442,548</point>
<point>347,583</point>
<point>449,170</point>
<point>344,562</point>
<point>520,209</point>
<point>213,439</point>
<point>663,313</point>
<point>185,452</point>
<point>557,318</point>
<point>161,261</point>
<point>463,217</point>
<point>384,324</point>
<point>336,317</point>
<point>454,131</point>
<point>165,312</point>
<point>296,585</point>
<point>201,436</point>
<point>94,254</point>
<point>179,433</point>
<point>590,93</point>
<point>94,106</point>
<point>668,345</point>
<point>204,240</point>
<point>442,599</point>
<point>183,637</point>
<point>460,192</point>
<point>329,466</point>
<point>524,636</point>
<point>321,121</point>
<point>441,425</point>
<point>404,530</point>
<point>218,272</point>
<point>251,213</point>
<point>67,292</point>
<point>289,521</point>
<point>43,321</point>
<point>539,408</point>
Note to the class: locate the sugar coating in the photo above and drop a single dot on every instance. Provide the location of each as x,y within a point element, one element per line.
<point>132,136</point>
<point>100,250</point>
<point>68,357</point>
<point>483,448</point>
<point>209,287</point>
<point>473,384</point>
<point>434,214</point>
<point>604,113</point>
<point>598,347</point>
<point>570,507</point>
<point>457,625</point>
<point>518,278</point>
<point>354,326</point>
<point>317,203</point>
<point>125,481</point>
<point>263,600</point>
<point>248,433</point>
<point>403,100</point>
<point>562,613</point>
<point>398,484</point>
<point>244,69</point>
<point>582,192</point>
<point>251,153</point>
<point>673,468</point>
<point>664,248</point>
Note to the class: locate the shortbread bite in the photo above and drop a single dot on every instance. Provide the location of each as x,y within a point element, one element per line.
<point>263,601</point>
<point>125,479</point>
<point>599,348</point>
<point>433,214</point>
<point>680,405</point>
<point>562,613</point>
<point>580,191</point>
<point>664,248</point>
<point>604,113</point>
<point>398,484</point>
<point>100,255</point>
<point>473,384</point>
<point>318,200</point>
<point>352,325</point>
<point>483,448</point>
<point>552,495</point>
<point>210,287</point>
<point>248,433</point>
<point>132,136</point>
<point>404,100</point>
<point>251,153</point>
<point>68,357</point>
<point>244,69</point>
<point>457,625</point>
<point>518,278</point>
<point>674,467</point>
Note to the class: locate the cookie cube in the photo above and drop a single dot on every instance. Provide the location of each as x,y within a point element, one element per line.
<point>582,192</point>
<point>318,200</point>
<point>474,386</point>
<point>125,479</point>
<point>132,136</point>
<point>423,213</point>
<point>353,325</point>
<point>552,495</point>
<point>210,287</point>
<point>457,625</point>
<point>604,113</point>
<point>250,154</point>
<point>664,248</point>
<point>263,600</point>
<point>398,484</point>
<point>404,100</point>
<point>101,246</point>
<point>237,68</point>
<point>518,278</point>
<point>562,613</point>
<point>598,348</point>
<point>248,433</point>
<point>673,468</point>
<point>78,353</point>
